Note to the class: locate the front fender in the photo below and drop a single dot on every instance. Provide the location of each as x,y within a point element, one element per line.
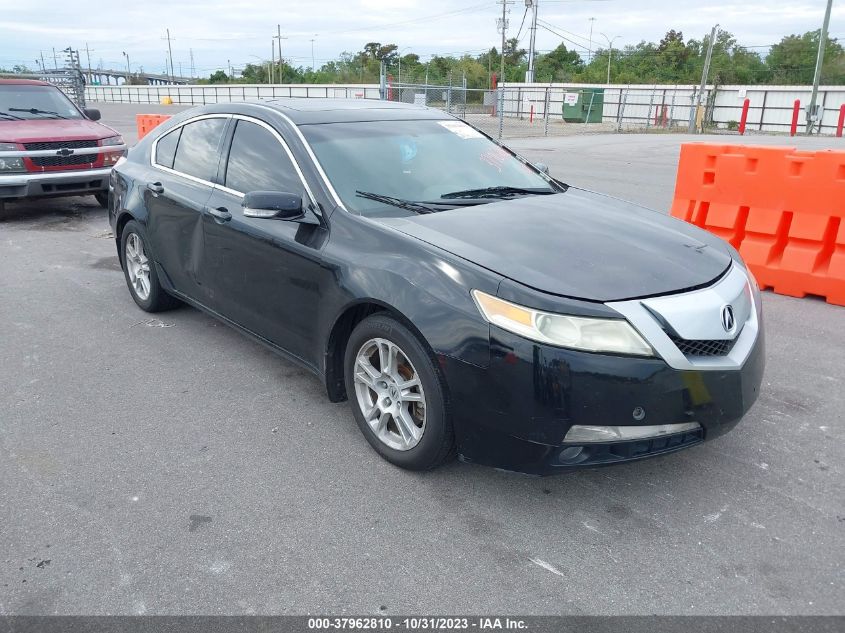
<point>428,287</point>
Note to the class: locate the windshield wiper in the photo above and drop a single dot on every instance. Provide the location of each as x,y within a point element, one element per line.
<point>497,192</point>
<point>410,205</point>
<point>12,116</point>
<point>37,111</point>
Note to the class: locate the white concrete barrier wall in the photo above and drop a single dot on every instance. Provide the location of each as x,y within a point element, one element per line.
<point>213,93</point>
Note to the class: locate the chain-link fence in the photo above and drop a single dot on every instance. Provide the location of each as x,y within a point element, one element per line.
<point>71,81</point>
<point>525,110</point>
<point>519,112</point>
<point>529,110</point>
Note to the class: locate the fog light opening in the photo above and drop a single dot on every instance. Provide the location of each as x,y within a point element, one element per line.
<point>572,455</point>
<point>597,434</point>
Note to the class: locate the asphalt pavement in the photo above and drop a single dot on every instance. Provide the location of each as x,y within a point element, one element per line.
<point>164,464</point>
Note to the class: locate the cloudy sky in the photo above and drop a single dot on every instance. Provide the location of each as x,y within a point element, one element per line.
<point>240,30</point>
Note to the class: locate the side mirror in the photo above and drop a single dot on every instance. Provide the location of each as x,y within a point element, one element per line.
<point>542,167</point>
<point>273,204</point>
<point>92,113</point>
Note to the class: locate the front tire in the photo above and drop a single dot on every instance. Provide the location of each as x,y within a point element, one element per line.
<point>397,394</point>
<point>140,273</point>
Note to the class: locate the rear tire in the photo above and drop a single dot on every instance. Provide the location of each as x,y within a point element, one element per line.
<point>397,394</point>
<point>102,199</point>
<point>140,272</point>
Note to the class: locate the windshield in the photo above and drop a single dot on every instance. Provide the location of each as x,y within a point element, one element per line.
<point>35,102</point>
<point>419,161</point>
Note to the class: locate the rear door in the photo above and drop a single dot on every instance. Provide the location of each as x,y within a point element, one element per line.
<point>184,163</point>
<point>264,274</point>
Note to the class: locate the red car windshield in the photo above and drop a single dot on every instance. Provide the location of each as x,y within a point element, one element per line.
<point>21,101</point>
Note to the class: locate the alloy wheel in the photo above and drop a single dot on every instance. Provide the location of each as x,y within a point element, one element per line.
<point>390,394</point>
<point>137,266</point>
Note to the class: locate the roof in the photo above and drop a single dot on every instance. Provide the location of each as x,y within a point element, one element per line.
<point>303,111</point>
<point>24,82</point>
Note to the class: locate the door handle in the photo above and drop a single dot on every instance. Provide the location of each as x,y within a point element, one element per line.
<point>221,213</point>
<point>155,187</point>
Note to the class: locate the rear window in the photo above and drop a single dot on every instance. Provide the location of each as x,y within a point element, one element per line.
<point>197,153</point>
<point>166,148</point>
<point>20,101</point>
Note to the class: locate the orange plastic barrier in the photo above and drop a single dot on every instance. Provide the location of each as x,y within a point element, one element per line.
<point>147,122</point>
<point>783,209</point>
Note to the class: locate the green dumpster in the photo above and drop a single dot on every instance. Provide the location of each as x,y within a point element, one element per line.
<point>583,106</point>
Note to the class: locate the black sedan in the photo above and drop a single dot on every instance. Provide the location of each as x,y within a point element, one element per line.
<point>463,300</point>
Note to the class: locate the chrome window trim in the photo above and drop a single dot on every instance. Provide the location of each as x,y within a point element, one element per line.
<point>172,171</point>
<point>281,140</point>
<point>311,154</point>
<point>638,314</point>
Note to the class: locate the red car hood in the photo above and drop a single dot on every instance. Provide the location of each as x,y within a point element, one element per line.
<point>35,130</point>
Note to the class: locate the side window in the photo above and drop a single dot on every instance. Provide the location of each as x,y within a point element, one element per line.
<point>198,151</point>
<point>166,148</point>
<point>258,162</point>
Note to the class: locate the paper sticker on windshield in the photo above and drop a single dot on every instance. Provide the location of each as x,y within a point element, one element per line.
<point>461,129</point>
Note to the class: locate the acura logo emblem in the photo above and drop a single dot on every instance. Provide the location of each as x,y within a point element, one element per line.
<point>728,319</point>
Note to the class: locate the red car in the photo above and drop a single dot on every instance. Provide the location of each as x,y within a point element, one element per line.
<point>50,147</point>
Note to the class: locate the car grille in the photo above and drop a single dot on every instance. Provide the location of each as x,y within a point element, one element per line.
<point>713,347</point>
<point>63,161</point>
<point>61,144</point>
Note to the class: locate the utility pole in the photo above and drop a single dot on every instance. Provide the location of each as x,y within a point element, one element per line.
<point>229,64</point>
<point>704,74</point>
<point>312,53</point>
<point>43,66</point>
<point>503,26</point>
<point>55,61</point>
<point>529,75</point>
<point>812,109</point>
<point>279,37</point>
<point>169,54</point>
<point>88,54</point>
<point>193,69</point>
<point>272,59</point>
<point>128,69</point>
<point>590,50</point>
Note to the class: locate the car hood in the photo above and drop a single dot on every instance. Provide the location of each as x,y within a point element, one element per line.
<point>576,244</point>
<point>35,130</point>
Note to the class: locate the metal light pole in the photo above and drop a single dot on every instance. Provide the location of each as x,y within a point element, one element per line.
<point>590,50</point>
<point>128,69</point>
<point>609,51</point>
<point>811,109</point>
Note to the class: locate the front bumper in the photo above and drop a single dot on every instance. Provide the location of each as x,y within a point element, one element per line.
<point>515,413</point>
<point>58,183</point>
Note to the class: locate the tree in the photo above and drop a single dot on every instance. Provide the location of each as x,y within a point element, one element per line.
<point>218,77</point>
<point>793,60</point>
<point>558,65</point>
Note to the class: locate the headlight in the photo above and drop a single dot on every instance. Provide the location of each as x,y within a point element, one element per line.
<point>615,336</point>
<point>10,164</point>
<point>112,140</point>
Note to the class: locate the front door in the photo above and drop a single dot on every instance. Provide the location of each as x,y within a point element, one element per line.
<point>263,274</point>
